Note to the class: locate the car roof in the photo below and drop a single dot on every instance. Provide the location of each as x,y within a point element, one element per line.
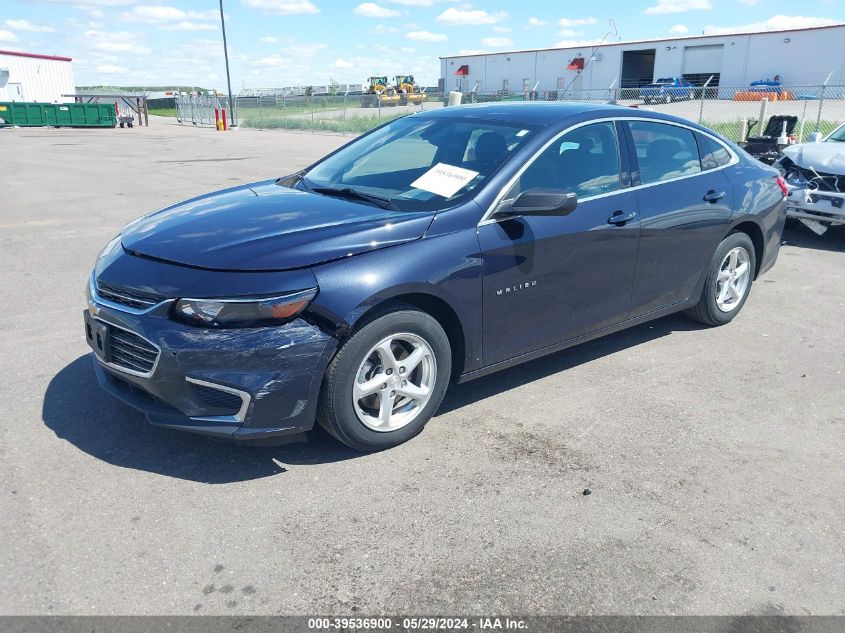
<point>548,113</point>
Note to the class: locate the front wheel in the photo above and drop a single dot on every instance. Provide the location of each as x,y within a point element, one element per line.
<point>387,380</point>
<point>728,282</point>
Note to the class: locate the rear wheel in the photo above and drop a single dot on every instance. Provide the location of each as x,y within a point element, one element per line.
<point>387,380</point>
<point>728,282</point>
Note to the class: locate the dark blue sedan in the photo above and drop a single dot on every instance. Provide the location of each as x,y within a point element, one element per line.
<point>442,246</point>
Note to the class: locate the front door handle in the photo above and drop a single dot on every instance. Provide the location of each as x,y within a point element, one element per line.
<point>620,217</point>
<point>714,196</point>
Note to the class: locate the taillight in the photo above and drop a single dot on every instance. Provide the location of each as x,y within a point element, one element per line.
<point>782,185</point>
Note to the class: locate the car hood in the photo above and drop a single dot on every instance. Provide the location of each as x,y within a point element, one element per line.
<point>828,158</point>
<point>264,226</point>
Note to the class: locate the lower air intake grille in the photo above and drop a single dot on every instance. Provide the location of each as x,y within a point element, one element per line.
<point>130,351</point>
<point>222,402</point>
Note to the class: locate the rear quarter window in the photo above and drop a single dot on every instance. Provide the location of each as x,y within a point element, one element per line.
<point>713,153</point>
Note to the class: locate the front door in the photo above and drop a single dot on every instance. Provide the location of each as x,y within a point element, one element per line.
<point>552,278</point>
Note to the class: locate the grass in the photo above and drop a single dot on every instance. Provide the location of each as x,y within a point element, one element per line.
<point>351,125</point>
<point>163,111</point>
<point>732,129</point>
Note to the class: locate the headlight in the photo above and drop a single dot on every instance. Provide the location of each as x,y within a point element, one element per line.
<point>243,312</point>
<point>112,245</point>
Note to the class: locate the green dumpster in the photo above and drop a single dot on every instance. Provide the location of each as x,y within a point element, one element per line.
<point>58,114</point>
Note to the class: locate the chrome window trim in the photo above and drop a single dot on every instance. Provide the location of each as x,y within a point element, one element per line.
<point>239,417</point>
<point>98,299</point>
<point>126,370</point>
<point>488,219</point>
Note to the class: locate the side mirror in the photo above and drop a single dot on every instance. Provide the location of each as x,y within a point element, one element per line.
<point>540,201</point>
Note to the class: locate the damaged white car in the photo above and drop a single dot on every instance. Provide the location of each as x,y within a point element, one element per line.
<point>815,176</point>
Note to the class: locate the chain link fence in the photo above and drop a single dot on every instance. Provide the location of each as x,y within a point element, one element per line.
<point>734,112</point>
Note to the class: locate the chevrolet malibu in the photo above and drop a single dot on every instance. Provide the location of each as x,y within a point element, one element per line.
<point>440,247</point>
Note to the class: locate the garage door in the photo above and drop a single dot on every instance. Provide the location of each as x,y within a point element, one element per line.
<point>703,59</point>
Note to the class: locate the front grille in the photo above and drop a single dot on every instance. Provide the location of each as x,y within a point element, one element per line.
<point>130,298</point>
<point>222,402</point>
<point>130,351</point>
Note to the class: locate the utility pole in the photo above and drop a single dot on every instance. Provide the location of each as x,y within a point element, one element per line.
<point>228,79</point>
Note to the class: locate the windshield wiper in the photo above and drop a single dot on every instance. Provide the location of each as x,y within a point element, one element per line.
<point>354,194</point>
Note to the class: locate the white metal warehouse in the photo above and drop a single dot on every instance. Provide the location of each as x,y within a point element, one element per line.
<point>799,57</point>
<point>34,77</point>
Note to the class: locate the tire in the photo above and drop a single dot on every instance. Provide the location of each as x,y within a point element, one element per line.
<point>398,329</point>
<point>716,307</point>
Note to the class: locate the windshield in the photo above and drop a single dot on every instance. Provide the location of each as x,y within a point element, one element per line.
<point>418,163</point>
<point>838,135</point>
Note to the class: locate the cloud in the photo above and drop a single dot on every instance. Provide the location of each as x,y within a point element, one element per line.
<point>568,33</point>
<point>342,63</point>
<point>569,22</point>
<point>373,10</point>
<point>750,3</point>
<point>8,36</point>
<point>86,5</point>
<point>471,51</point>
<point>774,23</point>
<point>283,7</point>
<point>680,29</point>
<point>502,29</point>
<point>110,69</point>
<point>26,25</point>
<point>537,22</point>
<point>426,36</point>
<point>471,17</point>
<point>381,29</point>
<point>173,19</point>
<point>678,6</point>
<point>117,42</point>
<point>496,42</point>
<point>185,25</point>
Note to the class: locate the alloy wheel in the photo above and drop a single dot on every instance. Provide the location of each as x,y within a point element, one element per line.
<point>394,382</point>
<point>732,280</point>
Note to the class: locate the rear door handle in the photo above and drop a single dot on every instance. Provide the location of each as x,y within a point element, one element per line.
<point>713,195</point>
<point>620,217</point>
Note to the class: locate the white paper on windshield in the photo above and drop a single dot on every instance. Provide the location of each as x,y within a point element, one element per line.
<point>444,180</point>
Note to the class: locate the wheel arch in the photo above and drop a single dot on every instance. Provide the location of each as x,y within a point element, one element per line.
<point>753,230</point>
<point>430,303</point>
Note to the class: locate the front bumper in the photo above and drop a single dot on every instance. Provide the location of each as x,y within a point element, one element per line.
<point>813,204</point>
<point>245,383</point>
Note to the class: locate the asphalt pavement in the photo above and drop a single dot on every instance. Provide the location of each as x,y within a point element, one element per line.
<point>713,457</point>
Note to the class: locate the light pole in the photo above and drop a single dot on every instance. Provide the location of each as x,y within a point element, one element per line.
<point>226,55</point>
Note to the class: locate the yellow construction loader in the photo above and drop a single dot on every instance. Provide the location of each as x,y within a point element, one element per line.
<point>408,90</point>
<point>379,91</point>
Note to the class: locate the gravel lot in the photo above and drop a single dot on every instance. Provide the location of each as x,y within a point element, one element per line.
<point>714,456</point>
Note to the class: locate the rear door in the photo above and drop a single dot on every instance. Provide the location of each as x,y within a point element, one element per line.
<point>684,211</point>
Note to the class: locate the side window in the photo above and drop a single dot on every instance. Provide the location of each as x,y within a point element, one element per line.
<point>584,161</point>
<point>664,151</point>
<point>713,153</point>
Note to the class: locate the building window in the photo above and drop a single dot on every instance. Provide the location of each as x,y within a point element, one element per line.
<point>506,85</point>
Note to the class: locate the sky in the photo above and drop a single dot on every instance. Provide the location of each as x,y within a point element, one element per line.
<point>277,43</point>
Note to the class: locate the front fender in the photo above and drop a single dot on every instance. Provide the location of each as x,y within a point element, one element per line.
<point>445,267</point>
